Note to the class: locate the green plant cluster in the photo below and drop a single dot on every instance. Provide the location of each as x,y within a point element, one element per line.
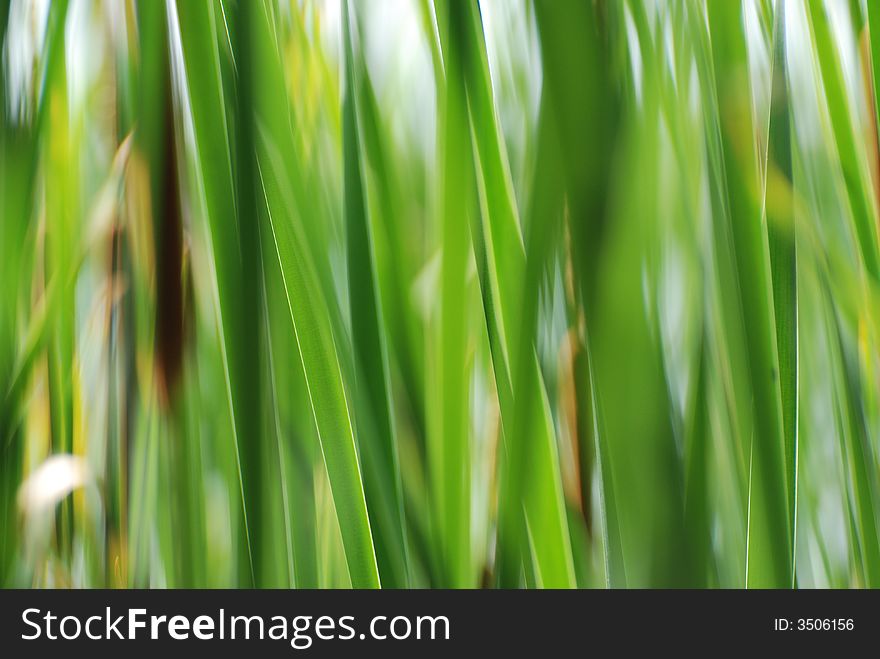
<point>439,293</point>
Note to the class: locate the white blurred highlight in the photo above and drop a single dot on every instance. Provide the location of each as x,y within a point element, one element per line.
<point>49,483</point>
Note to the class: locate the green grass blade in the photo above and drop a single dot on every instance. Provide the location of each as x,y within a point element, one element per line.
<point>573,93</point>
<point>374,422</point>
<point>858,455</point>
<point>206,95</point>
<point>769,531</point>
<point>449,433</point>
<point>15,152</point>
<point>309,313</point>
<point>62,218</point>
<point>779,209</point>
<point>874,34</point>
<point>851,157</point>
<point>536,488</point>
<point>392,250</point>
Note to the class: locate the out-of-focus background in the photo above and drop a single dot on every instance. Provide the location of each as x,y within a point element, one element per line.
<point>439,293</point>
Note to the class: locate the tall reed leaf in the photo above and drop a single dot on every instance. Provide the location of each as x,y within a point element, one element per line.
<point>309,311</point>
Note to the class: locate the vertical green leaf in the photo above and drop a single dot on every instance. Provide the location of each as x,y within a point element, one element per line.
<point>769,555</point>
<point>779,209</point>
<point>532,479</point>
<point>199,40</point>
<point>309,310</point>
<point>374,423</point>
<point>851,157</point>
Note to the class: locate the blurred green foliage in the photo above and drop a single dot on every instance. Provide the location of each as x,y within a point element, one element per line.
<point>439,293</point>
